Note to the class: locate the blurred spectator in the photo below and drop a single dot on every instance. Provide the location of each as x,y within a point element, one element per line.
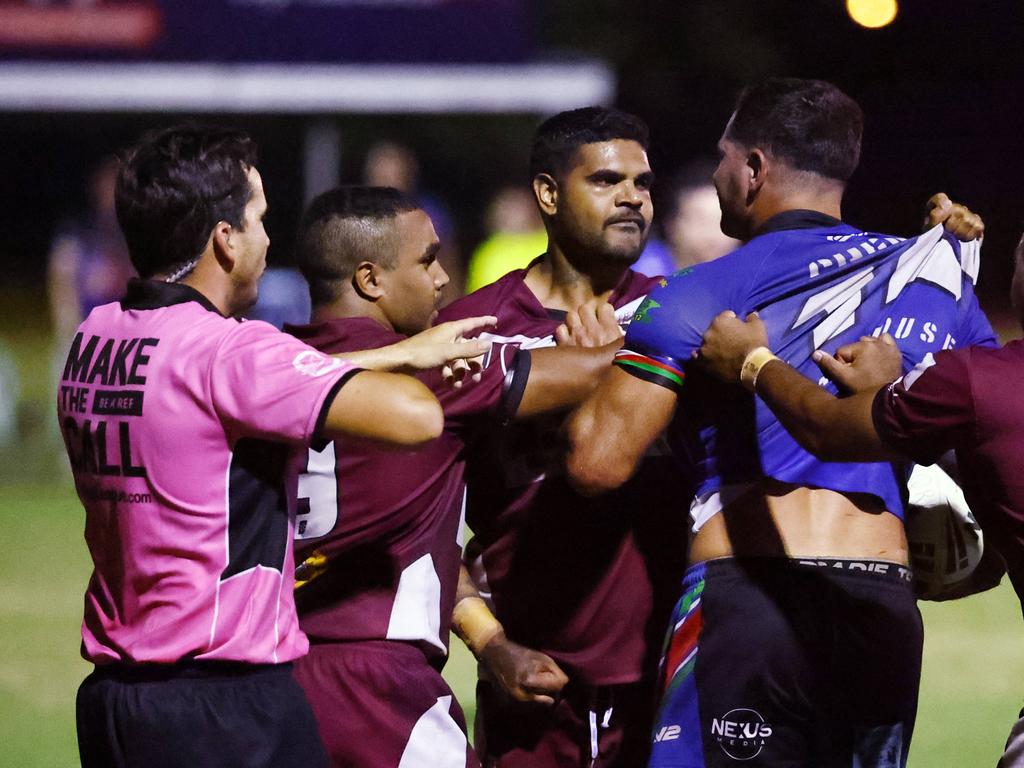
<point>88,262</point>
<point>88,266</point>
<point>283,298</point>
<point>394,165</point>
<point>692,224</point>
<point>656,258</point>
<point>10,395</point>
<point>516,237</point>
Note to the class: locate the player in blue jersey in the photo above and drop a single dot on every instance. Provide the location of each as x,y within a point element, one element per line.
<point>797,640</point>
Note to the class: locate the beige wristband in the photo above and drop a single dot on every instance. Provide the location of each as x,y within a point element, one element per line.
<point>474,623</point>
<point>755,360</point>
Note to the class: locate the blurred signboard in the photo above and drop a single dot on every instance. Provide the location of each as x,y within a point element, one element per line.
<point>282,31</point>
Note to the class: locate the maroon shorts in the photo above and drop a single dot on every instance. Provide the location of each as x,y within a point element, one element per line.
<point>380,703</point>
<point>603,727</point>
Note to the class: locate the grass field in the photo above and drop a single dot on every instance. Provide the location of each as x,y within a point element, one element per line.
<point>973,678</point>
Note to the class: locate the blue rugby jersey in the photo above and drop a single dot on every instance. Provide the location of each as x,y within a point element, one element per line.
<point>818,284</point>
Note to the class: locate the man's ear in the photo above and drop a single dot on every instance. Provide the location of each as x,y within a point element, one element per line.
<point>223,247</point>
<point>367,280</point>
<point>545,190</point>
<point>758,166</point>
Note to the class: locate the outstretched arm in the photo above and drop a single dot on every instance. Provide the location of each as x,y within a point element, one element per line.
<point>432,348</point>
<point>561,377</point>
<point>831,428</point>
<point>389,407</point>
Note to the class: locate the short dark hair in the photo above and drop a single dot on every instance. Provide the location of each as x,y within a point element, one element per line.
<point>343,227</point>
<point>558,138</point>
<point>173,188</point>
<point>810,124</point>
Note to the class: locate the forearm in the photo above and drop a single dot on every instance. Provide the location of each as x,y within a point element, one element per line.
<point>562,377</point>
<point>609,434</point>
<point>472,619</point>
<point>466,587</point>
<point>591,462</point>
<point>831,428</point>
<point>390,358</point>
<point>431,348</point>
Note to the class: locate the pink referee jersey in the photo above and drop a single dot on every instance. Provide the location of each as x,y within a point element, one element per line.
<point>178,422</point>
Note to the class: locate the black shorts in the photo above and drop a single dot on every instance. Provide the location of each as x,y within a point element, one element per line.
<point>216,714</point>
<point>793,664</point>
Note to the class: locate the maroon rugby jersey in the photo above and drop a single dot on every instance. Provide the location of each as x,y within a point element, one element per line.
<point>388,521</point>
<point>968,400</point>
<point>589,581</point>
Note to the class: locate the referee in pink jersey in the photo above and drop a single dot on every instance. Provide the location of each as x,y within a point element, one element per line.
<point>177,421</point>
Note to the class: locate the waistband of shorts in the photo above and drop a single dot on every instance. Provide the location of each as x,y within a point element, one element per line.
<point>882,570</point>
<point>186,668</point>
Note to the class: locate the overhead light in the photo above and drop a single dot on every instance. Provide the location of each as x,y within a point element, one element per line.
<point>872,14</point>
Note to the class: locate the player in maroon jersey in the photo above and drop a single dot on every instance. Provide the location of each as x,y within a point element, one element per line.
<point>588,582</point>
<point>380,532</point>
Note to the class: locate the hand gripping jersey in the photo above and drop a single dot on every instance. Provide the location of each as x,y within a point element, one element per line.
<point>818,284</point>
<point>385,524</point>
<point>588,581</point>
<point>177,422</point>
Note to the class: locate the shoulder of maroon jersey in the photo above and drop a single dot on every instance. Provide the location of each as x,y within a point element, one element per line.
<point>973,358</point>
<point>1011,350</point>
<point>508,295</point>
<point>344,334</point>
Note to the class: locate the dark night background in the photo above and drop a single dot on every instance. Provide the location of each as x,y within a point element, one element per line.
<point>940,88</point>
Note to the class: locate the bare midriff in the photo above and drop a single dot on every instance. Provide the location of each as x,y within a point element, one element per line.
<point>781,520</point>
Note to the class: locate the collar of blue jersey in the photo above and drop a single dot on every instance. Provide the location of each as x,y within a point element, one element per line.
<point>798,219</point>
<point>154,294</point>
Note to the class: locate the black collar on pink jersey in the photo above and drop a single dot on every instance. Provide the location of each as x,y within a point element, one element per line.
<point>154,294</point>
<point>797,219</point>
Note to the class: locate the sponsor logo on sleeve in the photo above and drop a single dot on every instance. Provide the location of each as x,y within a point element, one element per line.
<point>310,363</point>
<point>741,733</point>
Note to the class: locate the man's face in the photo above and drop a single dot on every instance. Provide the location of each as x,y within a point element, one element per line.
<point>604,201</point>
<point>730,180</point>
<point>251,243</point>
<point>412,288</point>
